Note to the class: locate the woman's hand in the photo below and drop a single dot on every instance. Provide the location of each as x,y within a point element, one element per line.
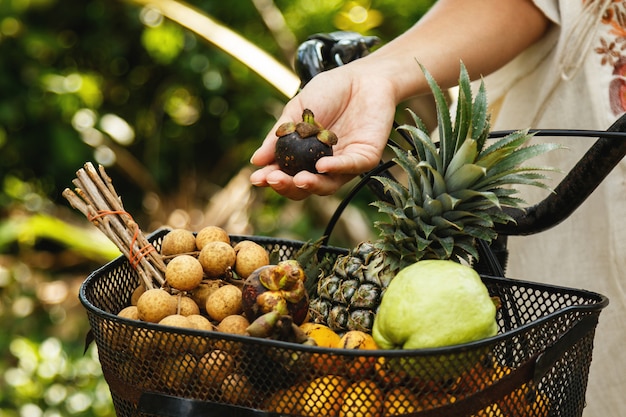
<point>358,109</point>
<point>357,101</point>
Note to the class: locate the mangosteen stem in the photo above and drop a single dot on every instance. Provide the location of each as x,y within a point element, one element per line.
<point>308,117</point>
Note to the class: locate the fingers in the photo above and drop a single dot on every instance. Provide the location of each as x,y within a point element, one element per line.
<point>335,171</point>
<point>264,155</point>
<point>352,161</point>
<point>299,187</point>
<point>320,184</point>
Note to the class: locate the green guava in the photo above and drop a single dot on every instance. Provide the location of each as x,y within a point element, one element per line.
<point>432,304</point>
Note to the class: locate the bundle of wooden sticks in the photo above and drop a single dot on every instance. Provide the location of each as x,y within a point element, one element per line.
<point>96,198</point>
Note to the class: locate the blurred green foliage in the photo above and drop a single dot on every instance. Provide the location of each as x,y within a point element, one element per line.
<point>173,119</point>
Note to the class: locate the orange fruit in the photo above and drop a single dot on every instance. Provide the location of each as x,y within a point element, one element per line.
<point>362,399</point>
<point>285,400</point>
<point>358,366</point>
<point>525,401</point>
<point>356,339</point>
<point>325,337</point>
<point>480,376</point>
<point>387,376</point>
<point>400,401</point>
<point>323,395</point>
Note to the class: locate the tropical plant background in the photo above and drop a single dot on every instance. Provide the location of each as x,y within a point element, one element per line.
<point>174,119</point>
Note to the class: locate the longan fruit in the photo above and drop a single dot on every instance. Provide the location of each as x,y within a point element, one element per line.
<point>175,320</point>
<point>129,312</point>
<point>141,343</point>
<point>200,345</point>
<point>182,342</point>
<point>233,324</point>
<point>249,257</point>
<point>217,258</point>
<point>237,389</point>
<point>186,306</point>
<point>178,241</point>
<point>211,234</point>
<point>184,272</point>
<point>200,322</point>
<point>179,371</point>
<point>155,304</point>
<point>136,294</point>
<point>213,368</point>
<point>224,302</point>
<point>202,291</point>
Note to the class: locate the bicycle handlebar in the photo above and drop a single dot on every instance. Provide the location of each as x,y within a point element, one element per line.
<point>576,187</point>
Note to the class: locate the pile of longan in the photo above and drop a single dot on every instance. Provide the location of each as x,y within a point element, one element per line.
<point>201,276</point>
<point>202,291</point>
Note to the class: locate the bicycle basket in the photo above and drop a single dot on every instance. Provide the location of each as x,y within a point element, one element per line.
<point>537,365</point>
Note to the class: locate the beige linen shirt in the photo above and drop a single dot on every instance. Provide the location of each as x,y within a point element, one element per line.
<point>575,78</point>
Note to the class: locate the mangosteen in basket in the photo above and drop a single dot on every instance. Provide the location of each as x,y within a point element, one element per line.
<point>300,145</point>
<point>278,288</point>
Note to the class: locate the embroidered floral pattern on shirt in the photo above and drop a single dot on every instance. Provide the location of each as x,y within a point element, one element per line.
<point>612,52</point>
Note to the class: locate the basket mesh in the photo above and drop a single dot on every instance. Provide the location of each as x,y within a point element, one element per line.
<point>537,365</point>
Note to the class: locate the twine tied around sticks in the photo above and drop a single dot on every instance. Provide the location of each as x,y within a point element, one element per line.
<point>96,198</point>
<point>135,256</point>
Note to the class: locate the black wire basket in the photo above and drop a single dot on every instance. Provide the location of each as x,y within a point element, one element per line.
<point>537,364</point>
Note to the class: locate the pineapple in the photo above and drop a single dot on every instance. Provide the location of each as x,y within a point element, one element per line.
<point>455,193</point>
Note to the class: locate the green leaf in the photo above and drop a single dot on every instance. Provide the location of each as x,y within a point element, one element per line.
<point>469,218</point>
<point>446,247</point>
<point>446,139</point>
<point>418,128</point>
<point>511,176</point>
<point>414,210</point>
<point>465,177</point>
<point>480,117</point>
<point>426,228</point>
<point>468,247</point>
<point>396,190</point>
<point>448,202</point>
<point>433,207</point>
<point>443,223</point>
<point>485,233</point>
<point>500,149</point>
<point>466,154</point>
<point>463,119</point>
<point>521,155</point>
<point>438,182</point>
<point>427,150</point>
<point>470,194</point>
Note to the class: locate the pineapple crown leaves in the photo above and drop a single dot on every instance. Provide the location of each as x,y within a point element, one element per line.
<point>456,188</point>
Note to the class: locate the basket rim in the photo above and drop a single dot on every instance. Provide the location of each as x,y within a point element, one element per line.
<point>601,302</point>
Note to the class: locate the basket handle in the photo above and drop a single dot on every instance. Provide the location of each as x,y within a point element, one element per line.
<point>546,359</point>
